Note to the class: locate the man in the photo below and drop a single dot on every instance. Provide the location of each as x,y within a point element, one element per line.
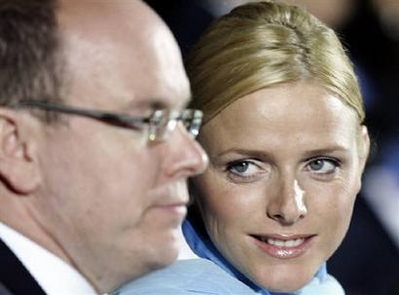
<point>89,198</point>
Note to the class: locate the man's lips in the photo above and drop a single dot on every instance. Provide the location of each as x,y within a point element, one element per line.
<point>172,205</point>
<point>178,208</point>
<point>284,246</point>
<point>173,195</point>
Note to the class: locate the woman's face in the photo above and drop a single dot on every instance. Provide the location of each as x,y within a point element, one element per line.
<point>285,168</point>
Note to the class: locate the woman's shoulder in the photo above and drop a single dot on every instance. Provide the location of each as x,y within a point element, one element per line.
<point>187,277</point>
<point>328,285</point>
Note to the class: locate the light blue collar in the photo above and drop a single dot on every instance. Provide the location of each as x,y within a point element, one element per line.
<point>204,248</point>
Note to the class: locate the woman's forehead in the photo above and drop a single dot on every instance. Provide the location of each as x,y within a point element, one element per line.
<point>274,116</point>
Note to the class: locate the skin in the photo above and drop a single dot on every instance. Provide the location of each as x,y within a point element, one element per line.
<point>285,162</point>
<point>101,197</point>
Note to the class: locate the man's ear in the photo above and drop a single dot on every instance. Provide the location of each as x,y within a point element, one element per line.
<point>18,159</point>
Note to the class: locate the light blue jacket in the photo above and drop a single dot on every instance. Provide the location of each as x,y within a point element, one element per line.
<point>194,276</point>
<point>212,274</point>
<point>201,276</point>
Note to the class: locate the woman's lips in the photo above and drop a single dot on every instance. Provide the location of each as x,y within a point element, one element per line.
<point>284,247</point>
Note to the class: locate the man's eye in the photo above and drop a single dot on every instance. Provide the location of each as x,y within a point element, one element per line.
<point>323,165</point>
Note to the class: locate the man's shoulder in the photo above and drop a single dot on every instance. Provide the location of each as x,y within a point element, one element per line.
<point>187,277</point>
<point>14,277</point>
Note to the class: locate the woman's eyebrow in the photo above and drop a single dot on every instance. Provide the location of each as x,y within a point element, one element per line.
<point>254,153</point>
<point>328,150</point>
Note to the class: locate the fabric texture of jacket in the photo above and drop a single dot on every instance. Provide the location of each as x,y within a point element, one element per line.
<point>14,277</point>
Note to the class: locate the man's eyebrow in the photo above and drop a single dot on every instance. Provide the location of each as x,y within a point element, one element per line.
<point>188,101</point>
<point>158,103</point>
<point>146,103</point>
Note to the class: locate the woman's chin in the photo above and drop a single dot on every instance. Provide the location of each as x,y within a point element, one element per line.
<point>285,283</point>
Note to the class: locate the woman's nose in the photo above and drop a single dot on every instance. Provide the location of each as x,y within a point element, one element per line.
<point>288,204</point>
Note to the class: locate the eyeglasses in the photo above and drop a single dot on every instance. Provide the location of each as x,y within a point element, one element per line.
<point>160,124</point>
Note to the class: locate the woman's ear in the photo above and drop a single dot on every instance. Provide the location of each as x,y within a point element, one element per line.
<point>18,161</point>
<point>363,147</point>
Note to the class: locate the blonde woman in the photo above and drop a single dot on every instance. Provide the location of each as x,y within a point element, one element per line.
<point>287,148</point>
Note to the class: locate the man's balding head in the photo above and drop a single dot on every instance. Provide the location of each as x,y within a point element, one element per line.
<point>106,200</point>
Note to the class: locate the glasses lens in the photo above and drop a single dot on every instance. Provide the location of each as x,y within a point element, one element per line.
<point>192,120</point>
<point>163,122</point>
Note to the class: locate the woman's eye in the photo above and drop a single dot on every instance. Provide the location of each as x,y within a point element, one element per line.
<point>243,167</point>
<point>323,165</point>
<point>245,170</point>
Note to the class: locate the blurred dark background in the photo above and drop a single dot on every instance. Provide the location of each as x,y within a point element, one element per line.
<point>367,263</point>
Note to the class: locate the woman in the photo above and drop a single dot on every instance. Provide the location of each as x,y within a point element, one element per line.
<point>287,147</point>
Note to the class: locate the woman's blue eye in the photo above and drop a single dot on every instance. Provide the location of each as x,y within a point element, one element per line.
<point>245,170</point>
<point>323,165</point>
<point>240,167</point>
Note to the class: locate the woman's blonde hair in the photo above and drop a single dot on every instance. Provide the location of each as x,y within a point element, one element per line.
<point>262,44</point>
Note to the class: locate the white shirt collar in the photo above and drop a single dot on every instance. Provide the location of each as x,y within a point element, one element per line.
<point>54,275</point>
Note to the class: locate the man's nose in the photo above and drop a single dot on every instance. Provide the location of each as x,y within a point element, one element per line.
<point>186,157</point>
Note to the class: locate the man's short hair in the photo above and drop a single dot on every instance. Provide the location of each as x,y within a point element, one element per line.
<point>30,59</point>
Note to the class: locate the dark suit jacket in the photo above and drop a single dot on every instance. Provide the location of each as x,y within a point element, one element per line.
<point>14,277</point>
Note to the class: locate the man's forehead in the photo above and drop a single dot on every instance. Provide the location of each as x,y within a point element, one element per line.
<point>93,15</point>
<point>126,50</point>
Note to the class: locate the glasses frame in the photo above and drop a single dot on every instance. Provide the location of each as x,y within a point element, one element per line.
<point>160,123</point>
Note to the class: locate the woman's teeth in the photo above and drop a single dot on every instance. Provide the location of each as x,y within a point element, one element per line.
<point>283,243</point>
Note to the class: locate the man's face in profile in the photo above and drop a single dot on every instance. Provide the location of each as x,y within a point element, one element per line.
<point>112,201</point>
